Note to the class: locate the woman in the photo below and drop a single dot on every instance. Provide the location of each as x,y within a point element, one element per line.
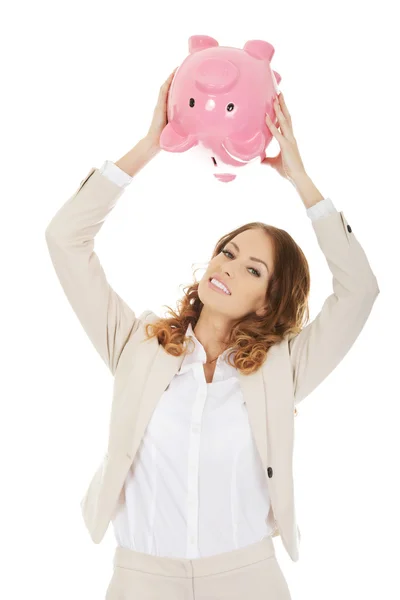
<point>197,478</point>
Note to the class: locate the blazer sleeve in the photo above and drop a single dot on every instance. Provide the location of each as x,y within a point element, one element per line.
<point>106,318</point>
<point>324,342</point>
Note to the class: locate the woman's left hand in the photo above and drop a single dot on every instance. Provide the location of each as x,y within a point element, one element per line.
<point>288,162</point>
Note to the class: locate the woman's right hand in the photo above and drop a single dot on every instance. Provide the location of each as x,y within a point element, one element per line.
<point>160,119</point>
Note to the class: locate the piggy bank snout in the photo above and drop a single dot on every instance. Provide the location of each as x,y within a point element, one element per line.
<point>216,75</point>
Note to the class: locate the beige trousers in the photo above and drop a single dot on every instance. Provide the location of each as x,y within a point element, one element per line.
<point>249,573</point>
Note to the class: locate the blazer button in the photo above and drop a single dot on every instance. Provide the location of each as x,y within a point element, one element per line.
<point>348,228</point>
<point>270,471</point>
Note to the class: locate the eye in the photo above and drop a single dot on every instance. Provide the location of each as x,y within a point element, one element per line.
<point>258,274</point>
<point>191,102</point>
<point>230,107</point>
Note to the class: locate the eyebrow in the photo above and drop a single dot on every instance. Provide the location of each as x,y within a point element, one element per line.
<point>251,257</point>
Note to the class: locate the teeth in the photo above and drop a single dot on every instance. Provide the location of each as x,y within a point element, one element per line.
<point>220,285</point>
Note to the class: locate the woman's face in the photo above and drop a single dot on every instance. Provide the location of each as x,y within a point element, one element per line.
<point>245,277</point>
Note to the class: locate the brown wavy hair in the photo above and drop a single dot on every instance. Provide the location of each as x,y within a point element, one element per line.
<point>286,298</point>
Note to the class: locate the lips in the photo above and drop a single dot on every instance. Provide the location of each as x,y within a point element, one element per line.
<point>221,281</point>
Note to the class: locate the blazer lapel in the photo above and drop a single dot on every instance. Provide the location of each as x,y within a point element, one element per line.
<point>160,374</point>
<point>269,399</point>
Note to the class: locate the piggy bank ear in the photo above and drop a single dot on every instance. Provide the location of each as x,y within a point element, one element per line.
<point>199,42</point>
<point>172,141</point>
<point>259,49</point>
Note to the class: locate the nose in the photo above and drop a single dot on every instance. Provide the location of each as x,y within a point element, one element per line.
<point>227,275</point>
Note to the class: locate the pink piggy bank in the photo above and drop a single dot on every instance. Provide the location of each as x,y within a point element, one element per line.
<point>218,99</point>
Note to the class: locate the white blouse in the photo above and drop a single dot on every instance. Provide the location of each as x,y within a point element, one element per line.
<point>196,486</point>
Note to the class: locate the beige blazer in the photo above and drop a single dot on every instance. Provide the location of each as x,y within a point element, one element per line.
<point>142,369</point>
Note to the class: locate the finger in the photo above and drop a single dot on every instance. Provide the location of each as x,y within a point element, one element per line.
<point>168,80</point>
<point>273,129</point>
<point>285,112</point>
<point>172,74</point>
<point>283,122</point>
<point>284,107</point>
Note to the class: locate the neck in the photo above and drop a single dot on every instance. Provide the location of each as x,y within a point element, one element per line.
<point>212,335</point>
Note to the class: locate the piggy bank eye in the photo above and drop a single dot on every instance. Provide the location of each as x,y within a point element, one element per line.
<point>191,102</point>
<point>230,107</point>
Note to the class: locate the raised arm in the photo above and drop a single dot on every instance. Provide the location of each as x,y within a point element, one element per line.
<point>324,342</point>
<point>106,318</point>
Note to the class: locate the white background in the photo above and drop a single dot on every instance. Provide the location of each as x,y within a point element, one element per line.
<point>79,84</point>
